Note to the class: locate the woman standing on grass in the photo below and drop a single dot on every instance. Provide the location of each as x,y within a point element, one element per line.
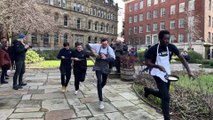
<point>65,55</point>
<point>80,65</point>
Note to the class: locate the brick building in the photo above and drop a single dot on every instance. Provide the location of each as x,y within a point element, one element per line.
<point>189,21</point>
<point>79,20</point>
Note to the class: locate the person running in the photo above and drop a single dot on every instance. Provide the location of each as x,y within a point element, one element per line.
<point>80,65</point>
<point>65,55</point>
<point>5,61</point>
<point>104,54</point>
<point>158,58</point>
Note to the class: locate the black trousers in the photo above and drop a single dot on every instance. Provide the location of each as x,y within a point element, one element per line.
<point>4,73</point>
<point>101,82</point>
<point>65,72</point>
<point>163,93</point>
<point>79,75</point>
<point>118,64</point>
<point>20,70</point>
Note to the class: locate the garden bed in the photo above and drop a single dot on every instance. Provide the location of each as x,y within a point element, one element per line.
<point>189,99</point>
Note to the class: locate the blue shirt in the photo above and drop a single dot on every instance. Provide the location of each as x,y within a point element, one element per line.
<point>98,48</point>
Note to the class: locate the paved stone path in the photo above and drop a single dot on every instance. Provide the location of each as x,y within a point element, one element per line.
<point>42,99</point>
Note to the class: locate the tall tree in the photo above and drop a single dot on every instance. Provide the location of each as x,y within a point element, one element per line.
<point>18,16</point>
<point>193,28</point>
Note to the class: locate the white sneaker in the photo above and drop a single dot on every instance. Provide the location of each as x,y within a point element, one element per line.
<point>76,92</point>
<point>101,105</point>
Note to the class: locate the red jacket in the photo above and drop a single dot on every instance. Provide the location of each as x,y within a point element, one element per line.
<point>5,58</point>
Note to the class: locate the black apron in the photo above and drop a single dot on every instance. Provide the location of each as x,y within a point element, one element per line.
<point>101,64</point>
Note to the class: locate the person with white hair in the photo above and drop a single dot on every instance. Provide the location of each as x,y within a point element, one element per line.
<point>118,48</point>
<point>20,50</point>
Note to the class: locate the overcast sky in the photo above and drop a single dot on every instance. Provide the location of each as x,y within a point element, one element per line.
<point>120,14</point>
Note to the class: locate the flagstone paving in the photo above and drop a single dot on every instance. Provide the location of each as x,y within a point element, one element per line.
<point>42,99</point>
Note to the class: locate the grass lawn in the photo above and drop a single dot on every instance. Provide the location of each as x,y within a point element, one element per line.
<point>52,64</point>
<point>203,82</point>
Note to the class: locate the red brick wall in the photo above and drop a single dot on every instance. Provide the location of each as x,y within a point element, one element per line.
<point>199,10</point>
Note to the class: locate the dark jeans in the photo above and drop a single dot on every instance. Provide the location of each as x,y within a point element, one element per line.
<point>20,70</point>
<point>118,64</point>
<point>111,64</point>
<point>4,73</point>
<point>101,82</point>
<point>79,75</point>
<point>163,93</point>
<point>65,72</point>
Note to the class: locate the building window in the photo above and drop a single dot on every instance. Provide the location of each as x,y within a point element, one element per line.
<point>162,25</point>
<point>79,38</point>
<point>75,6</point>
<point>172,24</point>
<point>172,39</point>
<point>51,2</point>
<point>96,26</point>
<point>209,36</point>
<point>130,7</point>
<point>148,15</point>
<point>113,29</point>
<point>130,31</point>
<point>135,29</point>
<point>78,24</point>
<point>210,21</point>
<point>65,21</point>
<point>191,5</point>
<point>55,38</point>
<point>190,36</point>
<point>155,39</point>
<point>191,21</point>
<point>148,28</point>
<point>163,1</point>
<point>136,18</point>
<point>181,23</point>
<point>149,3</point>
<point>130,19</point>
<point>140,29</point>
<point>140,17</point>
<point>89,25</point>
<point>181,7</point>
<point>102,27</point>
<point>63,4</point>
<point>155,14</point>
<point>65,37</point>
<point>210,4</point>
<point>162,12</point>
<point>180,38</point>
<point>172,9</point>
<point>155,2</point>
<point>212,38</point>
<point>34,38</point>
<point>107,28</point>
<point>58,3</point>
<point>141,4</point>
<point>89,39</point>
<point>155,27</point>
<point>46,39</point>
<point>148,39</point>
<point>136,7</point>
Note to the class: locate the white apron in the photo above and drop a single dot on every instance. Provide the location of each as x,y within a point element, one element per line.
<point>162,61</point>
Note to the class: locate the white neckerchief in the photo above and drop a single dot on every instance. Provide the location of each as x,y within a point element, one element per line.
<point>162,61</point>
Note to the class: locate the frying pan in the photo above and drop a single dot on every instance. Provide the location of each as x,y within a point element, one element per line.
<point>171,78</point>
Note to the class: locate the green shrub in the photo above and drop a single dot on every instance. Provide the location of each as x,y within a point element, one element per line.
<point>140,54</point>
<point>49,54</point>
<point>194,57</point>
<point>33,57</point>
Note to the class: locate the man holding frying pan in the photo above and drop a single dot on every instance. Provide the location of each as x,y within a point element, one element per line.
<point>158,58</point>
